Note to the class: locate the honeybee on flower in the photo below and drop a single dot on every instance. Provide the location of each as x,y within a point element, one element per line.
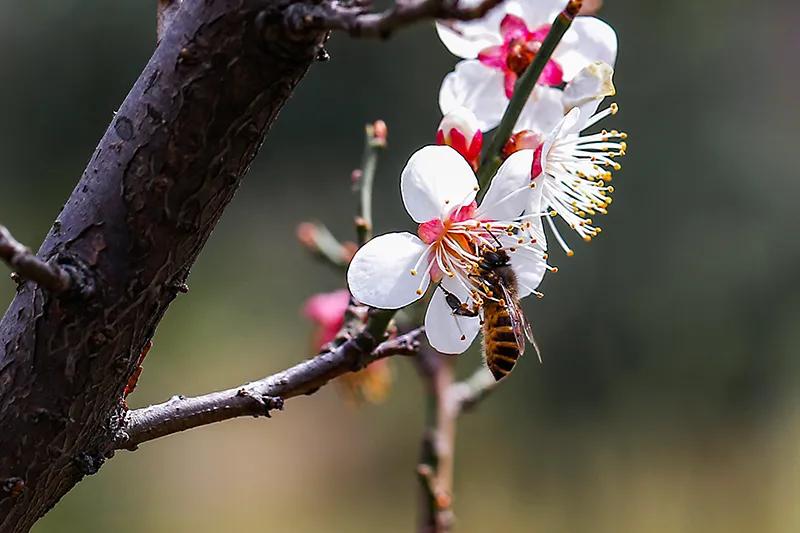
<point>439,189</point>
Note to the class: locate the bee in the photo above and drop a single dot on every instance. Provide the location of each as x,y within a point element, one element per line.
<point>503,324</point>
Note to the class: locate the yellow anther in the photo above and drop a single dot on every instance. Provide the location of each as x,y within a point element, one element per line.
<point>617,166</point>
<point>413,272</point>
<point>570,253</point>
<point>587,238</point>
<point>614,108</point>
<point>553,214</point>
<point>419,292</point>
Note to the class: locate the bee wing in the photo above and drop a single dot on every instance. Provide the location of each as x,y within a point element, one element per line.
<point>519,323</point>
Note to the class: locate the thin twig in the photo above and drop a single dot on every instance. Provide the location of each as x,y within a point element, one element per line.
<point>522,90</point>
<point>260,397</point>
<point>436,464</point>
<point>358,22</point>
<point>318,239</point>
<point>374,143</point>
<point>466,394</point>
<point>26,265</point>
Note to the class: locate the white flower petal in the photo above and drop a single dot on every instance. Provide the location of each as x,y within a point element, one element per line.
<point>527,262</point>
<point>466,39</point>
<point>436,179</point>
<point>530,269</point>
<point>544,109</point>
<point>380,273</point>
<point>476,87</point>
<point>444,329</point>
<point>539,12</point>
<point>509,192</point>
<point>588,40</point>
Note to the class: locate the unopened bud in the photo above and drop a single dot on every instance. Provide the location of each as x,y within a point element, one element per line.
<point>591,84</point>
<point>522,140</point>
<point>378,133</point>
<point>459,130</point>
<point>306,233</point>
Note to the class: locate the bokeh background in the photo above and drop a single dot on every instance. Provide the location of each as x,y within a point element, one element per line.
<point>669,397</point>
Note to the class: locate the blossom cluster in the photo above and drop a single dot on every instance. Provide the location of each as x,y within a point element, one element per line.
<point>550,168</point>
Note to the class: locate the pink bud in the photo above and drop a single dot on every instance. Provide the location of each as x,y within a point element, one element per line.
<point>459,129</point>
<point>327,310</point>
<point>522,140</point>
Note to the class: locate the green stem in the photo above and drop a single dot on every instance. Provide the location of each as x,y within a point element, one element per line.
<point>375,142</point>
<point>493,157</point>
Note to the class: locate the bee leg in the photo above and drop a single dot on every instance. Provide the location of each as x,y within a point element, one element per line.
<point>459,308</point>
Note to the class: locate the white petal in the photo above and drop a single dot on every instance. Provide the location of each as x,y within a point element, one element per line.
<point>539,12</point>
<point>467,39</point>
<point>380,273</point>
<point>528,263</point>
<point>588,40</point>
<point>509,192</point>
<point>436,179</point>
<point>476,87</point>
<point>529,268</point>
<point>443,328</point>
<point>570,124</point>
<point>544,109</point>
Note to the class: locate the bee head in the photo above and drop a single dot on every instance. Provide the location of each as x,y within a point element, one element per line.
<point>496,258</point>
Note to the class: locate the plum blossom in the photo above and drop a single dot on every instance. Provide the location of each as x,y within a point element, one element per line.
<point>459,129</point>
<point>574,170</point>
<point>500,46</point>
<point>439,188</point>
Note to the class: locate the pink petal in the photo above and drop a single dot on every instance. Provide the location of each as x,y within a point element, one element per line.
<point>513,27</point>
<point>464,213</point>
<point>552,74</point>
<point>509,82</point>
<point>494,57</point>
<point>430,231</point>
<point>540,33</point>
<point>536,167</point>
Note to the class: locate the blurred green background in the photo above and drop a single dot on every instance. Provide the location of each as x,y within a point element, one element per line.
<point>669,397</point>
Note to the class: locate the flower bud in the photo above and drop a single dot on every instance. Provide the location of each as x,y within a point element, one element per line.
<point>459,130</point>
<point>378,133</point>
<point>522,140</point>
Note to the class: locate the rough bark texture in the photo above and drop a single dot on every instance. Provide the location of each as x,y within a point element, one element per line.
<point>156,185</point>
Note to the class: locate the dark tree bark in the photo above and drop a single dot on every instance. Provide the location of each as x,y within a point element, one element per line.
<point>156,185</point>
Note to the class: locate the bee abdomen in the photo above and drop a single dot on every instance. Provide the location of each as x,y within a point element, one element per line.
<point>500,344</point>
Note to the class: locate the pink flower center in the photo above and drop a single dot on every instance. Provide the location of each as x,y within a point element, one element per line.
<point>439,232</point>
<point>519,48</point>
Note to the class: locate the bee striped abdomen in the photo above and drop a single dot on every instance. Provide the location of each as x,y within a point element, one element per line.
<point>499,342</point>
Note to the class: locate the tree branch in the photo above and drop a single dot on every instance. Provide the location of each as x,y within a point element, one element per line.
<point>446,401</point>
<point>165,12</point>
<point>259,397</point>
<point>26,265</point>
<point>358,21</point>
<point>466,394</point>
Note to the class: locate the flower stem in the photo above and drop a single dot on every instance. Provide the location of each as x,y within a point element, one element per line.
<point>493,157</point>
<point>375,142</point>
